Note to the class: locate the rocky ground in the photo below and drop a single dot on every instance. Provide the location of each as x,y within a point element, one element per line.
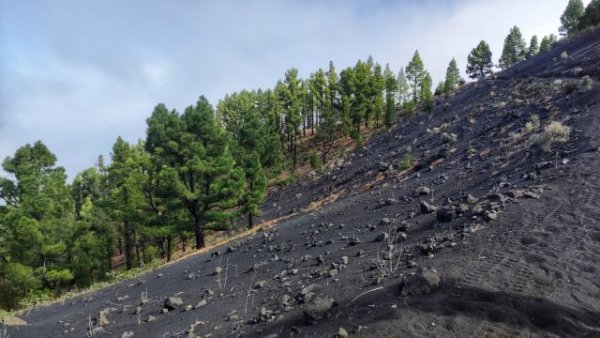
<point>484,234</point>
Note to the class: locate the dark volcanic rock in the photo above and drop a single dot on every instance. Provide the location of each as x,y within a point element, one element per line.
<point>427,208</point>
<point>422,282</point>
<point>172,303</point>
<point>317,307</point>
<point>445,214</point>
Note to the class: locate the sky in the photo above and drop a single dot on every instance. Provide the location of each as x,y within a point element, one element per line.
<point>77,74</point>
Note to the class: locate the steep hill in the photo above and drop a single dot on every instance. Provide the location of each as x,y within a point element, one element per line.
<point>514,237</point>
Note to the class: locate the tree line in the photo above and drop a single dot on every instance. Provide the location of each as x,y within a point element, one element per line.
<point>199,169</point>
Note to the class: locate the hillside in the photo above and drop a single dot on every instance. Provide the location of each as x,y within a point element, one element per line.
<point>515,237</point>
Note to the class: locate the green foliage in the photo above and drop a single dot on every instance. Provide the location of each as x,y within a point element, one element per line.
<point>514,50</point>
<point>453,79</point>
<point>426,93</point>
<point>415,74</point>
<point>534,47</point>
<point>570,19</point>
<point>391,87</point>
<point>479,62</point>
<point>407,162</point>
<point>591,15</point>
<point>403,87</point>
<point>315,161</point>
<point>201,168</point>
<point>548,42</point>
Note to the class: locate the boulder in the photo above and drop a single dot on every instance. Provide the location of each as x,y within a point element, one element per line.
<point>318,307</point>
<point>445,214</point>
<point>427,208</point>
<point>172,303</point>
<point>422,282</point>
<point>382,237</point>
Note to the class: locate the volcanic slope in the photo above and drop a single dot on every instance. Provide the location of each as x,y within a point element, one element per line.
<point>514,238</point>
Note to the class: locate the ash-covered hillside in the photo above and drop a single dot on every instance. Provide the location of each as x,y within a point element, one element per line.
<point>479,219</point>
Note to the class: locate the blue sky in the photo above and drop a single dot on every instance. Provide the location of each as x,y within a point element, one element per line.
<point>77,74</point>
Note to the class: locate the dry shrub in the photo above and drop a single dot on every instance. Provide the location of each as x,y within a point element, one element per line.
<point>553,134</point>
<point>533,124</point>
<point>586,83</point>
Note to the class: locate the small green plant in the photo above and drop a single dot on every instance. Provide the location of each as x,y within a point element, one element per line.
<point>409,107</point>
<point>315,161</point>
<point>407,162</point>
<point>586,83</point>
<point>554,133</point>
<point>449,137</point>
<point>533,124</point>
<point>150,253</point>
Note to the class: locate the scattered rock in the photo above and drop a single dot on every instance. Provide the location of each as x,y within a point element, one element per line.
<point>445,214</point>
<point>127,334</point>
<point>342,333</point>
<point>427,208</point>
<point>150,318</point>
<point>422,282</point>
<point>318,307</point>
<point>172,303</point>
<point>490,215</point>
<point>201,303</point>
<point>344,260</point>
<point>382,237</point>
<point>385,221</point>
<point>218,270</point>
<point>260,284</point>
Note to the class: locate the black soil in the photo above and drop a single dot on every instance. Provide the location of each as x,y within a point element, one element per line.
<point>532,271</point>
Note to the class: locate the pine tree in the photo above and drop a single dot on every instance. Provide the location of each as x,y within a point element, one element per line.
<point>391,86</point>
<point>514,50</point>
<point>201,167</point>
<point>377,88</point>
<point>452,77</point>
<point>591,15</point>
<point>291,104</point>
<point>403,87</point>
<point>548,42</point>
<point>426,93</point>
<point>479,62</point>
<point>571,17</point>
<point>534,47</point>
<point>256,187</point>
<point>415,73</point>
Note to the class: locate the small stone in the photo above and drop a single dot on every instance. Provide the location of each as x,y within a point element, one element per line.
<point>172,303</point>
<point>423,282</point>
<point>320,260</point>
<point>217,271</point>
<point>411,264</point>
<point>385,221</point>
<point>318,307</point>
<point>344,260</point>
<point>382,237</point>
<point>260,284</point>
<point>445,214</point>
<point>127,334</point>
<point>188,308</point>
<point>427,208</point>
<point>342,333</point>
<point>490,215</point>
<point>150,318</point>
<point>360,253</point>
<point>201,303</point>
<point>471,199</point>
<point>531,194</point>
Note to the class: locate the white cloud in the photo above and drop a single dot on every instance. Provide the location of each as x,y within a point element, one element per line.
<point>78,74</point>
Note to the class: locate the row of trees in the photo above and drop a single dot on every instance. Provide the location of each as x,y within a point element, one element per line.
<point>575,18</point>
<point>194,172</point>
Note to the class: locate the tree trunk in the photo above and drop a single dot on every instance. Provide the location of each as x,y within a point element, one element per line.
<point>198,232</point>
<point>128,246</point>
<point>250,221</point>
<point>169,248</point>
